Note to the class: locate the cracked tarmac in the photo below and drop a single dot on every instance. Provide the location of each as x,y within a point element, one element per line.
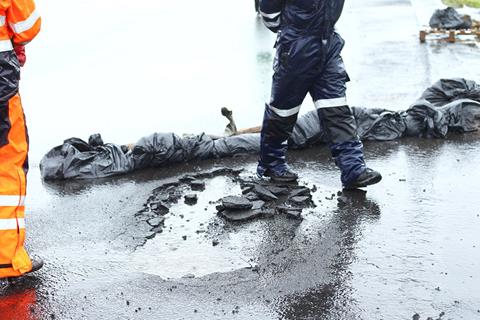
<point>408,248</point>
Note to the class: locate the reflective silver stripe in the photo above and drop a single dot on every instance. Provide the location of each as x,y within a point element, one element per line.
<point>331,103</point>
<point>11,224</point>
<point>270,15</point>
<point>2,21</point>
<point>27,24</point>
<point>12,201</point>
<point>5,45</point>
<point>272,24</point>
<point>286,113</point>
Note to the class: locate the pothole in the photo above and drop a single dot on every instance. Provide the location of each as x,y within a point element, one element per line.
<point>215,221</point>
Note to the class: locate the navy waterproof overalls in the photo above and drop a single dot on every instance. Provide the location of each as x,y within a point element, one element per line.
<point>308,60</point>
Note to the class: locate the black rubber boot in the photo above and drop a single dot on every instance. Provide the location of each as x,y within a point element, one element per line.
<point>37,264</point>
<point>286,176</point>
<point>367,178</point>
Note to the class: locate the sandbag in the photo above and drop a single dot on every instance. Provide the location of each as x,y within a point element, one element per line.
<point>379,124</point>
<point>160,149</point>
<point>76,159</point>
<point>450,105</point>
<point>445,91</point>
<point>449,18</point>
<point>237,145</point>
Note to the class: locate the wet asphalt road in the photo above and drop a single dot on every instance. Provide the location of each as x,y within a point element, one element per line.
<point>408,246</point>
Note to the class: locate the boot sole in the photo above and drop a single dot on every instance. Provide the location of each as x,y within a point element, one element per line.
<point>283,180</point>
<point>13,280</point>
<point>373,180</point>
<point>34,269</point>
<point>37,267</point>
<point>279,179</point>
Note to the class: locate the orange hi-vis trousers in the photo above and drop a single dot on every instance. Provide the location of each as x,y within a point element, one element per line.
<point>14,260</point>
<point>19,24</point>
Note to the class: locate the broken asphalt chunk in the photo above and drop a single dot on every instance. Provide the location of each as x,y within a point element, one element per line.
<point>276,190</point>
<point>342,201</point>
<point>159,208</point>
<point>158,229</point>
<point>290,212</point>
<point>166,186</point>
<point>299,192</point>
<point>150,236</point>
<point>197,185</point>
<point>162,197</point>
<point>247,189</point>
<point>241,215</point>
<point>187,179</point>
<point>268,212</point>
<point>257,205</point>
<point>236,203</point>
<point>252,196</point>
<point>264,194</point>
<point>155,222</point>
<point>294,214</point>
<point>191,199</point>
<point>300,200</point>
<point>217,172</point>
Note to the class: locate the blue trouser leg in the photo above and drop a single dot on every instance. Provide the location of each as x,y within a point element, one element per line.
<point>292,79</point>
<point>274,140</point>
<point>304,65</point>
<point>329,95</point>
<point>349,158</point>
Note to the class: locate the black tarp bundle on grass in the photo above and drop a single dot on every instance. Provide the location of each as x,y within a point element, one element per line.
<point>450,105</point>
<point>450,19</point>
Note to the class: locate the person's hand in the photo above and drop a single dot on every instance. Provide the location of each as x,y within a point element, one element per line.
<point>20,52</point>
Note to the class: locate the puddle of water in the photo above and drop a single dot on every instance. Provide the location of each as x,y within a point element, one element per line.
<point>186,244</point>
<point>185,247</point>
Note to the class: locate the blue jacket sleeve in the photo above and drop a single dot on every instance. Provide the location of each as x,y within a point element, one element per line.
<point>271,12</point>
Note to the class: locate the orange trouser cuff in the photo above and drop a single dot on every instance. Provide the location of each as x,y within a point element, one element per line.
<point>14,260</point>
<point>21,261</point>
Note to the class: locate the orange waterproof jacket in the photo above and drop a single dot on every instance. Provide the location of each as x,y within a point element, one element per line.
<point>19,23</point>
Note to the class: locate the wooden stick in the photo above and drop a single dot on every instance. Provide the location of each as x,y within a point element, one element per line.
<point>250,130</point>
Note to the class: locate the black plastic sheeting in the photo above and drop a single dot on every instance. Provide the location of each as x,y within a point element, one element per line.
<point>449,18</point>
<point>450,105</point>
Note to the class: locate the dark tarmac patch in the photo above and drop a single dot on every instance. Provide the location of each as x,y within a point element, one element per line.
<point>161,200</point>
<point>384,266</point>
<point>256,199</point>
<point>288,199</point>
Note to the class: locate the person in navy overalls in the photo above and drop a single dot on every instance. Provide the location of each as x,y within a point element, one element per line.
<point>308,60</point>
